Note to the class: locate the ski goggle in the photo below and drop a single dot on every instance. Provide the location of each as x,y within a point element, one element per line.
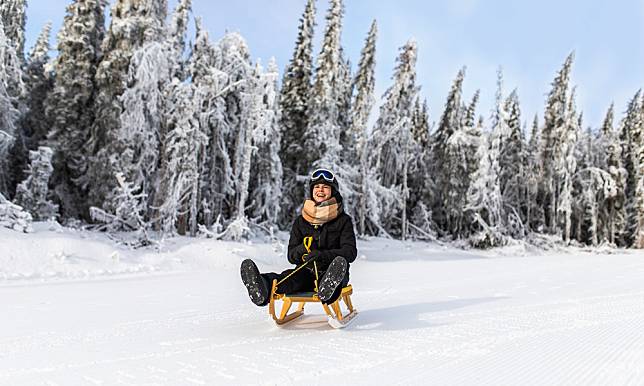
<point>322,173</point>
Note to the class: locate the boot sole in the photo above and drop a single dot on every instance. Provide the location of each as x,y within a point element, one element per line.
<point>332,278</point>
<point>254,283</point>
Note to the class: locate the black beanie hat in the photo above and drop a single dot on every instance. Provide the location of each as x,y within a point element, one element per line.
<point>335,188</point>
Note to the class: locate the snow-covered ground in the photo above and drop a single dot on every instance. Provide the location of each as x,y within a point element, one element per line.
<point>77,309</point>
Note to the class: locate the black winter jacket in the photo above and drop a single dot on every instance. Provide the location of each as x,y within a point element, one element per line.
<point>335,238</point>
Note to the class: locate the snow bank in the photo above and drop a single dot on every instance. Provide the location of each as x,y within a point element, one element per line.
<point>56,252</point>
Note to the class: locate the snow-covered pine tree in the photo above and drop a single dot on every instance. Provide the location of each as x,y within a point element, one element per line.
<point>363,101</point>
<point>419,196</point>
<point>552,154</point>
<point>534,215</point>
<point>638,161</point>
<point>212,82</point>
<point>69,105</point>
<point>38,80</point>
<point>397,147</point>
<point>585,207</point>
<point>181,140</point>
<point>512,178</point>
<point>153,78</point>
<point>294,114</point>
<point>266,167</point>
<point>631,139</point>
<point>322,135</point>
<point>176,34</point>
<point>484,197</point>
<point>13,16</point>
<point>33,193</point>
<point>10,78</point>
<point>458,155</point>
<point>612,211</point>
<point>34,125</point>
<point>420,126</point>
<point>176,199</point>
<point>345,96</point>
<point>133,23</point>
<point>449,123</point>
<point>566,167</point>
<point>234,61</point>
<point>473,131</point>
<point>255,122</point>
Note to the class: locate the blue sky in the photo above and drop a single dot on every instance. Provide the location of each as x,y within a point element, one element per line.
<point>529,40</point>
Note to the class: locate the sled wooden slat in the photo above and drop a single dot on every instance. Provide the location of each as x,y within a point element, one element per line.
<point>333,311</point>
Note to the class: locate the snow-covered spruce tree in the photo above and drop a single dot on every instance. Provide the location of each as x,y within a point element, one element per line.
<point>449,123</point>
<point>133,23</point>
<point>462,159</point>
<point>459,157</point>
<point>484,197</point>
<point>176,34</point>
<point>473,130</point>
<point>585,204</point>
<point>69,105</point>
<point>420,127</point>
<point>552,154</point>
<point>257,117</point>
<point>534,216</point>
<point>323,131</point>
<point>13,17</point>
<point>234,61</point>
<point>603,137</point>
<point>419,194</point>
<point>34,125</point>
<point>394,154</point>
<point>179,172</point>
<point>266,166</point>
<point>612,212</point>
<point>181,140</point>
<point>10,78</point>
<point>213,159</point>
<point>635,206</point>
<point>639,230</point>
<point>212,82</point>
<point>512,176</point>
<point>566,167</point>
<point>361,106</point>
<point>631,139</point>
<point>345,95</point>
<point>294,114</point>
<point>13,216</point>
<point>33,193</point>
<point>149,106</point>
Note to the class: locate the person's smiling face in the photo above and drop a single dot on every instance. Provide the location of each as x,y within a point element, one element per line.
<point>321,192</point>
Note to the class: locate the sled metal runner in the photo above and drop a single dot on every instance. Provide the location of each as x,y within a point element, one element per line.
<point>337,319</point>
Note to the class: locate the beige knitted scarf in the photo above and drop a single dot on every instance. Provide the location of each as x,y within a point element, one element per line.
<point>321,213</point>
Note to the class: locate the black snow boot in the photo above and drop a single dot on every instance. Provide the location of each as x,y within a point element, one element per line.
<point>332,279</point>
<point>254,282</point>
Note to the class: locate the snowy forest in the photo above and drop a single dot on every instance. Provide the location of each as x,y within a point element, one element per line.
<point>134,127</point>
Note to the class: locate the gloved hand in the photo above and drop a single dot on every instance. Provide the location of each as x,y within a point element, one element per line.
<point>295,257</point>
<point>312,256</point>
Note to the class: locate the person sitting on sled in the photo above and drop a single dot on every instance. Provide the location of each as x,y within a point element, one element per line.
<point>322,237</point>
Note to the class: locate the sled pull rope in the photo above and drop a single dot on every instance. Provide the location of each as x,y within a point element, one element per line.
<point>307,245</point>
<point>308,241</point>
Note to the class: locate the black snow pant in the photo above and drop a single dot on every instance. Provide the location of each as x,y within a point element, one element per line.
<point>302,281</point>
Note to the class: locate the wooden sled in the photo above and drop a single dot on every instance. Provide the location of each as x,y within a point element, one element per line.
<point>334,313</point>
